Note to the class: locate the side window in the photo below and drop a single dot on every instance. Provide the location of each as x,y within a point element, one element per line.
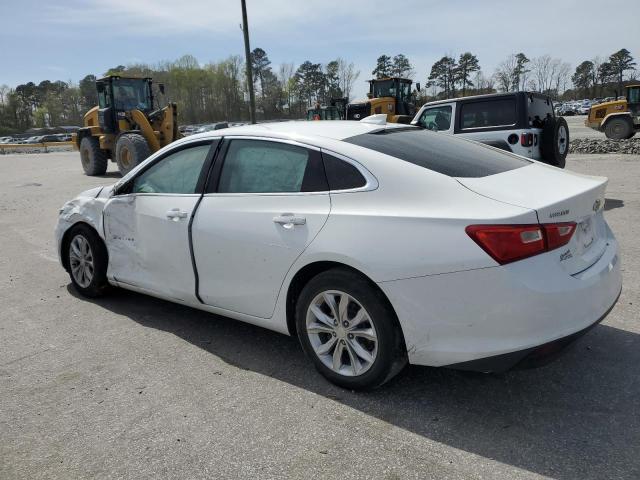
<point>494,113</point>
<point>436,118</point>
<point>175,173</point>
<point>258,166</point>
<point>342,175</point>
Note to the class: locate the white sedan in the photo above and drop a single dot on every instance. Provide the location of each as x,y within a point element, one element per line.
<point>376,245</point>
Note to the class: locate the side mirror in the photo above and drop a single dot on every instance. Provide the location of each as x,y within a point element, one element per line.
<point>161,88</point>
<point>418,86</point>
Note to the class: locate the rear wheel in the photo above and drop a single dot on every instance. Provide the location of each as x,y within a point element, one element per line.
<point>93,158</point>
<point>618,129</point>
<point>555,142</point>
<point>349,331</point>
<point>131,150</point>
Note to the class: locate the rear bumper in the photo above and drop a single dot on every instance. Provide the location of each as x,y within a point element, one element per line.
<point>462,317</point>
<point>530,357</point>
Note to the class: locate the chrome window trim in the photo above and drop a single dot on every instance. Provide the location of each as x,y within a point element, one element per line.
<point>371,181</point>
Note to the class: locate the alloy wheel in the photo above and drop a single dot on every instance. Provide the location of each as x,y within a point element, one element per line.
<point>341,333</point>
<point>81,261</point>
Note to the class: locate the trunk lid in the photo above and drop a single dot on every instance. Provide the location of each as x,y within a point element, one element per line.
<point>557,196</point>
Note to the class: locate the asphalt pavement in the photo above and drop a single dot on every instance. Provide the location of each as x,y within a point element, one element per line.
<point>129,386</point>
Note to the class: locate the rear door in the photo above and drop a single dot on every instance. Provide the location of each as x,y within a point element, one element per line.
<point>493,121</point>
<point>265,203</point>
<point>557,197</point>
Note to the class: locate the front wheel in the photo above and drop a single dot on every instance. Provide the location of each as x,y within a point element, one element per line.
<point>131,150</point>
<point>87,259</point>
<point>618,129</point>
<point>349,331</point>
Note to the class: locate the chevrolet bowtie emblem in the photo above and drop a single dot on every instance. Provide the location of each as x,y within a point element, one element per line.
<point>596,205</point>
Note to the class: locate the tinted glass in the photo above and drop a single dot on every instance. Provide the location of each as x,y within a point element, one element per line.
<point>444,154</point>
<point>342,175</point>
<point>176,173</point>
<point>436,118</point>
<point>493,113</point>
<point>539,109</point>
<point>129,94</point>
<point>256,166</point>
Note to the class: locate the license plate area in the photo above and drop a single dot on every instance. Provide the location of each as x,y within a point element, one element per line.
<point>585,235</point>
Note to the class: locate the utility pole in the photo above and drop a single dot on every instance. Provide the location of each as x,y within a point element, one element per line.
<point>247,54</point>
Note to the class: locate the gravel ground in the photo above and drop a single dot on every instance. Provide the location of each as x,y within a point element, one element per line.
<point>577,128</point>
<point>134,387</point>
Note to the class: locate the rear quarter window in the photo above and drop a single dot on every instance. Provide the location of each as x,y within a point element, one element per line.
<point>497,112</point>
<point>342,175</point>
<point>440,153</point>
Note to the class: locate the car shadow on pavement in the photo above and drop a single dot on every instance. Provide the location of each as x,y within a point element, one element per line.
<point>576,418</point>
<point>611,203</point>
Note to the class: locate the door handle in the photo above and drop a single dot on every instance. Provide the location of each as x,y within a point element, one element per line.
<point>176,214</point>
<point>288,220</point>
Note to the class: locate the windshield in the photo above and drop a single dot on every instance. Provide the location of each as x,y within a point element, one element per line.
<point>384,89</point>
<point>129,94</point>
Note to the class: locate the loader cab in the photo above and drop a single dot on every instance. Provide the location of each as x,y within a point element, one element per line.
<point>397,88</point>
<point>119,95</point>
<point>633,101</point>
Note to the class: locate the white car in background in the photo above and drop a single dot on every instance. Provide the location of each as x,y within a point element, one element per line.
<point>375,245</point>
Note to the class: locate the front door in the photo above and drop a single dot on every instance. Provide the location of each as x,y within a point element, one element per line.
<point>147,225</point>
<point>268,201</point>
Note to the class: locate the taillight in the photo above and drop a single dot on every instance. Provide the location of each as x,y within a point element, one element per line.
<point>508,243</point>
<point>526,139</point>
<point>558,234</point>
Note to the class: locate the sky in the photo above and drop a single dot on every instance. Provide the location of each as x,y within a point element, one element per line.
<point>68,39</point>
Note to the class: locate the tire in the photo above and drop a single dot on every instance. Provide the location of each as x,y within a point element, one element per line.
<point>555,142</point>
<point>384,345</point>
<point>83,243</point>
<point>131,150</point>
<point>93,158</point>
<point>618,129</point>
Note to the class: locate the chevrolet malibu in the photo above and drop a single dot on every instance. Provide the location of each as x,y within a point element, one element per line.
<point>377,245</point>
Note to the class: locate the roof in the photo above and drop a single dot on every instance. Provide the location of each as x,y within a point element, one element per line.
<point>334,129</point>
<point>402,79</point>
<point>481,97</point>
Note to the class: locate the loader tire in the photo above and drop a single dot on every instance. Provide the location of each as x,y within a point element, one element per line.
<point>131,150</point>
<point>619,129</point>
<point>93,158</point>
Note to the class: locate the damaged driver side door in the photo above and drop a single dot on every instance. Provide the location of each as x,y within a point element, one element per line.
<point>147,222</point>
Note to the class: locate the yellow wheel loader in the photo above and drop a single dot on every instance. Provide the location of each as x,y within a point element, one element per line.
<point>618,119</point>
<point>391,96</point>
<point>124,127</point>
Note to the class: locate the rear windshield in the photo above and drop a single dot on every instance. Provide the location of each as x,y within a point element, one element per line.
<point>540,109</point>
<point>439,152</point>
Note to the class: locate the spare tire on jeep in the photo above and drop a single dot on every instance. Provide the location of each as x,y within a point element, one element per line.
<point>554,145</point>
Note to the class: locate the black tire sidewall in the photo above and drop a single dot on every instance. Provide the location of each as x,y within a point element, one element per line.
<point>97,159</point>
<point>627,134</point>
<point>99,283</point>
<point>391,355</point>
<point>137,145</point>
<point>549,145</point>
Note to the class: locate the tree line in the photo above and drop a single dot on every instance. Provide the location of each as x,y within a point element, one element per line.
<point>219,91</point>
<point>450,77</point>
<point>204,93</point>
